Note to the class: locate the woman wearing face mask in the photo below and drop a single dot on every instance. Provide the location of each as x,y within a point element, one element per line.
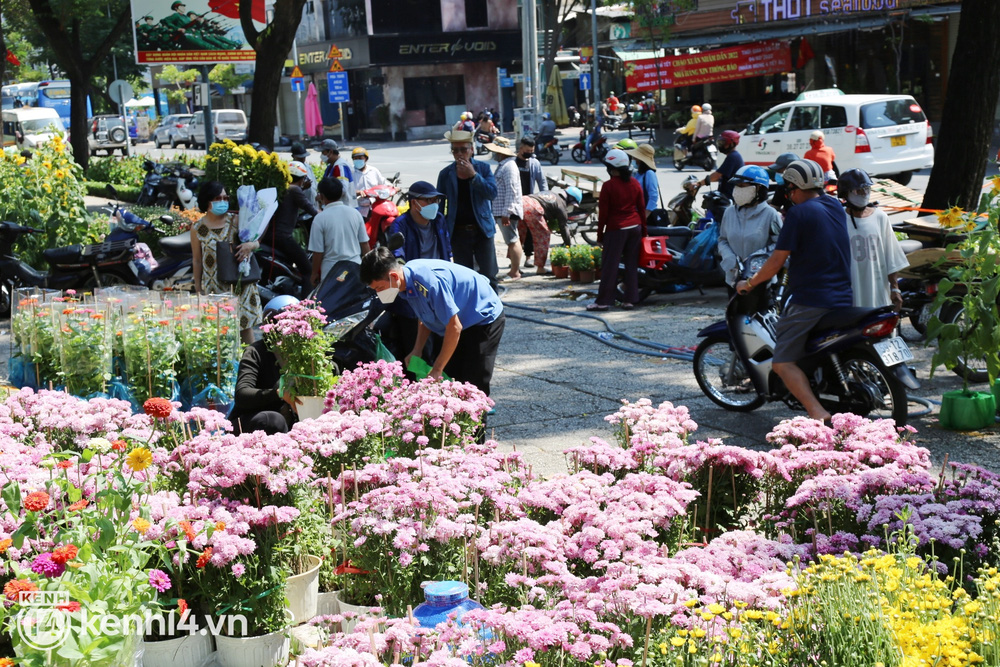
<point>367,176</point>
<point>876,256</point>
<point>215,227</point>
<point>748,226</point>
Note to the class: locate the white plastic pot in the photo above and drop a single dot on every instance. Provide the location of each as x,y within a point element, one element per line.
<point>302,592</point>
<point>264,651</point>
<point>190,650</point>
<point>311,407</point>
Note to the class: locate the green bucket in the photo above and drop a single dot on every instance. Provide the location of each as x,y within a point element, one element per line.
<point>967,411</point>
<point>996,393</point>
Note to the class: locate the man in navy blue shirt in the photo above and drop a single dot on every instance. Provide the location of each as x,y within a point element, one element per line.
<point>815,236</point>
<point>450,300</point>
<point>727,143</point>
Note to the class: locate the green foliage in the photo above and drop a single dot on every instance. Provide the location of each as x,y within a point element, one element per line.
<point>126,170</point>
<point>559,256</point>
<point>972,285</point>
<point>127,193</point>
<point>181,80</point>
<point>581,258</point>
<point>46,192</point>
<point>226,76</point>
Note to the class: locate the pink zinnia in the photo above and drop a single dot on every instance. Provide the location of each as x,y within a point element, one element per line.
<point>46,566</point>
<point>159,580</point>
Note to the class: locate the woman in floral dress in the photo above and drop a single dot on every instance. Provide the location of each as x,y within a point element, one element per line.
<point>217,225</point>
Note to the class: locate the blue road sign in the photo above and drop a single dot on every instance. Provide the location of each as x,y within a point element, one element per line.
<point>584,82</point>
<point>298,85</point>
<point>502,71</point>
<point>337,83</point>
<point>506,82</point>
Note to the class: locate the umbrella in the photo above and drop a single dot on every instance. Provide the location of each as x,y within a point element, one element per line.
<point>555,102</point>
<point>314,120</point>
<point>146,101</point>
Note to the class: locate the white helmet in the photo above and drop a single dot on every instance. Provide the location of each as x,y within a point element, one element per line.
<point>297,170</point>
<point>706,108</point>
<point>616,157</point>
<point>805,175</point>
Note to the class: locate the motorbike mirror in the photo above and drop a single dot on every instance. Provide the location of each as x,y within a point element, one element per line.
<point>166,219</point>
<point>110,189</point>
<point>147,165</point>
<point>396,241</point>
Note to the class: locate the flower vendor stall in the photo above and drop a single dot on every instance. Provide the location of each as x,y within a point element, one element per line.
<point>838,545</point>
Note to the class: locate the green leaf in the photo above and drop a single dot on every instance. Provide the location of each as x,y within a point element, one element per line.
<point>75,494</point>
<point>12,497</point>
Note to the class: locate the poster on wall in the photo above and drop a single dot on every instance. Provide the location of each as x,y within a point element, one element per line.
<point>737,62</point>
<point>192,31</point>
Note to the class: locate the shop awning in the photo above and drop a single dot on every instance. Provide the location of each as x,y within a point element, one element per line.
<point>627,56</point>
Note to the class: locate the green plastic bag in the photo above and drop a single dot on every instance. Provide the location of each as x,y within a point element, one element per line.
<point>421,368</point>
<point>382,353</point>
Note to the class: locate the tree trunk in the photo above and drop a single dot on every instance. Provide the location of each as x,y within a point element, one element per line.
<point>3,50</point>
<point>963,139</point>
<point>272,46</point>
<point>79,128</point>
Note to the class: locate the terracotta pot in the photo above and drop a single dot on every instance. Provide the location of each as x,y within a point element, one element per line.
<point>574,275</point>
<point>560,271</point>
<point>587,276</point>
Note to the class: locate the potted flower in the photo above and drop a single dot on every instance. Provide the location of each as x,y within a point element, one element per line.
<point>297,337</point>
<point>151,350</point>
<point>84,341</point>
<point>559,259</point>
<point>86,546</point>
<point>581,264</point>
<point>966,325</point>
<point>597,252</point>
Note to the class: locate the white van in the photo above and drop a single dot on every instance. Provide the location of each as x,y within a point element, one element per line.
<point>886,135</point>
<point>226,124</point>
<point>30,127</point>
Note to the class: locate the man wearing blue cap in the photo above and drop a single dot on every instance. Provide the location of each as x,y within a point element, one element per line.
<point>423,227</point>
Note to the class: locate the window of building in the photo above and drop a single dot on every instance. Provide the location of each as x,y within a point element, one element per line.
<point>391,17</point>
<point>833,116</point>
<point>476,14</point>
<point>432,94</point>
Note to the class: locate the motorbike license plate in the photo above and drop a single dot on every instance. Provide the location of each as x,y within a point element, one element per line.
<point>898,141</point>
<point>893,351</point>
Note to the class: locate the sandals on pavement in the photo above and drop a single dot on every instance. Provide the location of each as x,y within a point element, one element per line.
<point>598,307</point>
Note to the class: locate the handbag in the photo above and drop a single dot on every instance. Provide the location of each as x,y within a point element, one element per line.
<point>229,267</point>
<point>659,217</point>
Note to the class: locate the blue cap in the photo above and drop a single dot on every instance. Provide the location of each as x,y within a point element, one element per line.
<point>423,190</point>
<point>445,592</point>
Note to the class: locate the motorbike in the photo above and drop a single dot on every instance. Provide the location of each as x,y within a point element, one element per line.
<point>597,151</point>
<point>853,364</point>
<point>611,122</point>
<point>383,212</point>
<point>278,275</point>
<point>168,185</point>
<point>550,151</point>
<point>114,261</point>
<point>703,153</point>
<point>481,139</point>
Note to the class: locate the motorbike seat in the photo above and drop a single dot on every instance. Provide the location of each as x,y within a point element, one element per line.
<point>179,244</point>
<point>70,254</point>
<point>839,318</point>
<point>268,251</point>
<point>29,276</point>
<point>672,232</point>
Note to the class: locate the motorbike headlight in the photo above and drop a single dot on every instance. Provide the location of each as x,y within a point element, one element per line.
<point>755,263</point>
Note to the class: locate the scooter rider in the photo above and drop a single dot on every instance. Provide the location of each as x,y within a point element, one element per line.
<point>779,199</point>
<point>547,130</point>
<point>815,237</point>
<point>704,127</point>
<point>876,256</point>
<point>727,143</point>
<point>687,132</point>
<point>279,232</point>
<point>749,226</point>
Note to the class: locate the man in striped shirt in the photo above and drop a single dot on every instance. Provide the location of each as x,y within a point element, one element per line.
<point>507,206</point>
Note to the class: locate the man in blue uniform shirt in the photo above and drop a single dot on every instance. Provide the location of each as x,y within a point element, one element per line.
<point>450,300</point>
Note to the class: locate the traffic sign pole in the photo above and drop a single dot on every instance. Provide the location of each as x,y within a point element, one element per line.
<point>338,90</point>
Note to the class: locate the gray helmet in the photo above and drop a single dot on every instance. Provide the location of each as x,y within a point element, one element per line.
<point>805,175</point>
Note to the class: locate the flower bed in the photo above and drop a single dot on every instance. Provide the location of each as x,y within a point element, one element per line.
<point>838,546</point>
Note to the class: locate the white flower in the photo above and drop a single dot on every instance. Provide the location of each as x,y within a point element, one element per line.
<point>99,445</point>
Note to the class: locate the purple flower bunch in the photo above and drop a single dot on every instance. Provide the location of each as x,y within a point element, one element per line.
<point>433,413</point>
<point>304,319</point>
<point>339,439</point>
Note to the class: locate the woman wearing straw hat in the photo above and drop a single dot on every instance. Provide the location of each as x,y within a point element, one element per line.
<point>645,159</point>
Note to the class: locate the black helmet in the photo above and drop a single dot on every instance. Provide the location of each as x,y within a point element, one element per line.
<point>851,180</point>
<point>783,161</point>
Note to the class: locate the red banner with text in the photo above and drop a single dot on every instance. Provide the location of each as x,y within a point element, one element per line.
<point>738,62</point>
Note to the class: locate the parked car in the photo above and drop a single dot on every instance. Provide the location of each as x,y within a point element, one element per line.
<point>108,133</point>
<point>226,124</point>
<point>30,127</point>
<point>172,130</point>
<point>886,135</point>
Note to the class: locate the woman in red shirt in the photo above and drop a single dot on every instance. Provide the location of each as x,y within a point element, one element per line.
<point>621,224</point>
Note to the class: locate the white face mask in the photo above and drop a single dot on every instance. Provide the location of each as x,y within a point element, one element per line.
<point>742,196</point>
<point>858,200</point>
<point>324,157</point>
<point>389,294</point>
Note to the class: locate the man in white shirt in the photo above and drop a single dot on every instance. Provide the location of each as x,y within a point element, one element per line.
<point>338,231</point>
<point>366,177</point>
